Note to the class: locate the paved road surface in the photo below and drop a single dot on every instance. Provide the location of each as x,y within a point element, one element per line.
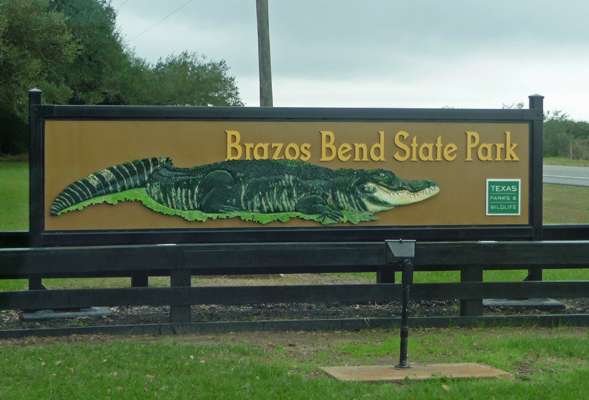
<point>565,175</point>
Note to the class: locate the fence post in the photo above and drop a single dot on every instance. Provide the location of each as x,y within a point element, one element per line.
<point>139,279</point>
<point>35,179</point>
<point>536,103</point>
<point>471,308</point>
<point>385,274</point>
<point>180,278</point>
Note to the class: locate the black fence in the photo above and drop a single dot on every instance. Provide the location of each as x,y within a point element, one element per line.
<point>180,262</point>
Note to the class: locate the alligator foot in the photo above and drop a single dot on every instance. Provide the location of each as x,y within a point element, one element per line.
<point>331,214</point>
<point>316,205</point>
<point>216,188</point>
<point>227,209</point>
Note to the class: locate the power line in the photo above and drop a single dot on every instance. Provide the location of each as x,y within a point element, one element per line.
<point>122,5</point>
<point>160,21</point>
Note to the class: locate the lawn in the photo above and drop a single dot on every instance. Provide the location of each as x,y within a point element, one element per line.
<point>565,204</point>
<point>565,161</point>
<point>14,195</point>
<point>545,364</point>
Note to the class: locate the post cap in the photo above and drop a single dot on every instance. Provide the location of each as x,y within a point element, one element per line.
<point>399,250</point>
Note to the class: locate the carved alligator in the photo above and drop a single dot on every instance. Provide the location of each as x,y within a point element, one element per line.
<point>252,186</point>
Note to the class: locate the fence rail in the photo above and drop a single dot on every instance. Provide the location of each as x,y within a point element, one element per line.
<point>183,296</point>
<point>292,257</point>
<point>180,262</point>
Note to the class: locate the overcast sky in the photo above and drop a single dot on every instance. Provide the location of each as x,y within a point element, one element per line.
<point>382,53</point>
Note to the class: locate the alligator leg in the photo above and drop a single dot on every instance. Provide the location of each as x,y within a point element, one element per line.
<point>216,188</point>
<point>314,204</point>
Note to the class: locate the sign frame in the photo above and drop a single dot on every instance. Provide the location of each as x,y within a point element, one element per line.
<point>39,114</point>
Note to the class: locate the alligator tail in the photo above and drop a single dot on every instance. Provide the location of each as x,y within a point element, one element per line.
<point>119,178</point>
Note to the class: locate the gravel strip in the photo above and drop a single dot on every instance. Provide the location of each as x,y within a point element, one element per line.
<point>261,312</point>
<point>9,319</point>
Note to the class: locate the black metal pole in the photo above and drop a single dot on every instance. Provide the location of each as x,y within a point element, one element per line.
<point>407,280</point>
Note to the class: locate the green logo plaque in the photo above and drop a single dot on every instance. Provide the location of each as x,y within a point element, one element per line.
<point>503,197</point>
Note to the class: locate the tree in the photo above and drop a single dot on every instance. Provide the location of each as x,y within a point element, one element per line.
<point>562,135</point>
<point>565,137</point>
<point>105,72</point>
<point>513,106</point>
<point>184,79</point>
<point>556,135</point>
<point>95,74</point>
<point>72,50</point>
<point>34,43</point>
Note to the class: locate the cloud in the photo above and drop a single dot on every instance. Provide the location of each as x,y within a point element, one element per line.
<point>380,53</point>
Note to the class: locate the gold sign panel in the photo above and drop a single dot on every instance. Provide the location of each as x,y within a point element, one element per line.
<point>459,157</point>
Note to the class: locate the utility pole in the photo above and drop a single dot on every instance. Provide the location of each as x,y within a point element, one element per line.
<point>264,54</point>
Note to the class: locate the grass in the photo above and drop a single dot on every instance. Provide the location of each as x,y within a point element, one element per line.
<point>80,283</point>
<point>14,157</point>
<point>488,276</point>
<point>565,204</point>
<point>545,363</point>
<point>14,196</point>
<point>565,161</point>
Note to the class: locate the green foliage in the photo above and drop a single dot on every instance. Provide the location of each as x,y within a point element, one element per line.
<point>14,134</point>
<point>184,79</point>
<point>73,52</point>
<point>556,135</point>
<point>565,137</point>
<point>107,73</point>
<point>513,106</point>
<point>95,73</point>
<point>34,43</point>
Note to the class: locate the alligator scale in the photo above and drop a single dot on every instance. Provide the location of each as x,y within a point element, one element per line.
<point>255,190</point>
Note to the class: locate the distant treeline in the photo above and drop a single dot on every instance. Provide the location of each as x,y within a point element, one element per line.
<point>564,137</point>
<point>73,52</point>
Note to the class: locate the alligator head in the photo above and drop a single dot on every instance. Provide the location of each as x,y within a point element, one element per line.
<point>382,190</point>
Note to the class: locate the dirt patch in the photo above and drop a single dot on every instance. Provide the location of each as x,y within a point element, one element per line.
<point>525,369</point>
<point>297,347</point>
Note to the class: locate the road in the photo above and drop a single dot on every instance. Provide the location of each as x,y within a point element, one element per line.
<point>565,175</point>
